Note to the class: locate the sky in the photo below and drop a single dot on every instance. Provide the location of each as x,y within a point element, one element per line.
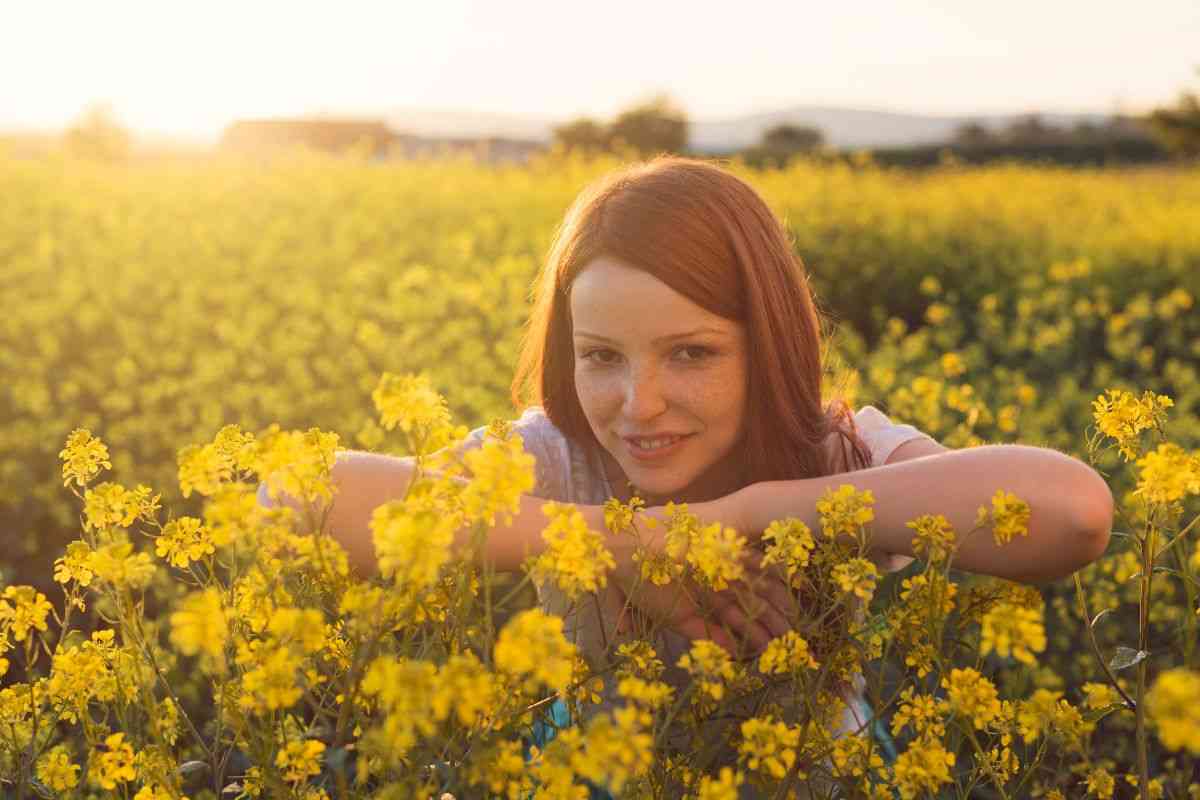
<point>188,69</point>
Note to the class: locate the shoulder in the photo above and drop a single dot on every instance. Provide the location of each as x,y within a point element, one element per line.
<point>536,430</point>
<point>551,449</point>
<point>881,435</point>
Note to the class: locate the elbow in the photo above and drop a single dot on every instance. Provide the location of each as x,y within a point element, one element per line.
<point>1094,519</point>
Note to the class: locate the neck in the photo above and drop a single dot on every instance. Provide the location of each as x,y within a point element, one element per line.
<point>716,482</point>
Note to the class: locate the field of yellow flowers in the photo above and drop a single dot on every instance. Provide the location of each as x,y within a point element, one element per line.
<point>178,332</point>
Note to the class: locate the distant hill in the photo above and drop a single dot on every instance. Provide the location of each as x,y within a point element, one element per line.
<point>843,127</point>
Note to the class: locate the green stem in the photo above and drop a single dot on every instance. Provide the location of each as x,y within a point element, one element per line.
<point>1143,643</point>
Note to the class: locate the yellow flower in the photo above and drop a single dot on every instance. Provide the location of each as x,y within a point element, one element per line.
<point>1009,517</point>
<point>791,543</point>
<point>532,649</point>
<point>28,611</point>
<point>1154,787</point>
<point>1045,712</point>
<point>199,625</point>
<point>618,517</point>
<point>857,576</point>
<point>1013,629</point>
<point>303,628</point>
<point>116,563</point>
<point>501,472</point>
<point>650,694</point>
<point>716,553</point>
<point>412,547</point>
<point>1173,703</point>
<point>182,541</point>
<point>1168,474</point>
<point>845,511</point>
<point>55,769</point>
<point>1121,416</point>
<point>922,768</point>
<point>1100,695</point>
<point>785,655</point>
<point>75,564</point>
<point>108,504</point>
<point>952,365</point>
<point>410,403</point>
<point>935,536</point>
<point>296,463</point>
<point>928,596</point>
<point>638,659</point>
<point>113,765</point>
<point>575,558</point>
<point>465,685</point>
<point>972,695</point>
<point>710,664</point>
<point>723,787</point>
<point>83,457</point>
<point>271,683</point>
<point>923,712</point>
<point>769,746</point>
<point>299,760</point>
<point>1100,783</point>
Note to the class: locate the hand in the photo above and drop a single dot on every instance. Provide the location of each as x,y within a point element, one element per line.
<point>751,611</point>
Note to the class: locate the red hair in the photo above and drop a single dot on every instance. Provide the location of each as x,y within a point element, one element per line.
<point>709,236</point>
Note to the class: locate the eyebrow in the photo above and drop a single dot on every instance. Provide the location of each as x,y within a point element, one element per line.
<point>659,340</point>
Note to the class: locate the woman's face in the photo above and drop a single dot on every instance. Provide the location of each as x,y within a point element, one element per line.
<point>662,382</point>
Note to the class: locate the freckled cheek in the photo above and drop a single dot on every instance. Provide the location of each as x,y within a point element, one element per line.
<point>598,394</point>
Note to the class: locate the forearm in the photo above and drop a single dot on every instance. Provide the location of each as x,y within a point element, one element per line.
<point>364,481</point>
<point>1070,506</point>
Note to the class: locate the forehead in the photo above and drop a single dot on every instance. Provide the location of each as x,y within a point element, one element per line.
<point>618,301</point>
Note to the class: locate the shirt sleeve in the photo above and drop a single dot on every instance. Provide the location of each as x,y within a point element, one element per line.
<point>541,440</point>
<point>882,437</point>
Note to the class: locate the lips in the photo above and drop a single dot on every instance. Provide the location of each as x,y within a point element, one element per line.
<point>668,443</point>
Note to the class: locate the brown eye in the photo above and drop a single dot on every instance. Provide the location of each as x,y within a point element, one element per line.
<point>599,356</point>
<point>694,352</point>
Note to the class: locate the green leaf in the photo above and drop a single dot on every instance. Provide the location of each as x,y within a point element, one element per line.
<point>1126,657</point>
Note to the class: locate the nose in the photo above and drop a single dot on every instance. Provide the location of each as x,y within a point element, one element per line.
<point>643,395</point>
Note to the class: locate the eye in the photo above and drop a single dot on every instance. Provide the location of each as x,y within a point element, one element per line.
<point>694,352</point>
<point>599,355</point>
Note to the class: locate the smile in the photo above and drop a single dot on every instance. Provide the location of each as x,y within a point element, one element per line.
<point>655,448</point>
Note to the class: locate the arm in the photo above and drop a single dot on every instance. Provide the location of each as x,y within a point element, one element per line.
<point>1071,507</point>
<point>365,481</point>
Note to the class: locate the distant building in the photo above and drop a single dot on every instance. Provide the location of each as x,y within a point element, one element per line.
<point>332,135</point>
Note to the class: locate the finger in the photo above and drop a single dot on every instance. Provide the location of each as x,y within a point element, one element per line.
<point>772,600</point>
<point>779,600</point>
<point>699,628</point>
<point>613,601</point>
<point>754,634</point>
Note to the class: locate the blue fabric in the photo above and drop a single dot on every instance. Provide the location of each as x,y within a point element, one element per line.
<point>544,732</point>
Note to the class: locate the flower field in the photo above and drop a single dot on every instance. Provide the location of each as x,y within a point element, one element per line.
<point>176,333</point>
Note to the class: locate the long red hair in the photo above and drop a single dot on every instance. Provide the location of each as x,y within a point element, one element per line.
<point>709,236</point>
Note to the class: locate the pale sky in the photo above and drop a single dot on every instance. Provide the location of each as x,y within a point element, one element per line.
<point>191,68</point>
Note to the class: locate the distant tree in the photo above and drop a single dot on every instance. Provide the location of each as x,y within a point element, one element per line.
<point>652,127</point>
<point>1031,129</point>
<point>582,133</point>
<point>971,134</point>
<point>1178,128</point>
<point>97,134</point>
<point>792,139</point>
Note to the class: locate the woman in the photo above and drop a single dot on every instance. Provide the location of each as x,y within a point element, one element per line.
<point>674,352</point>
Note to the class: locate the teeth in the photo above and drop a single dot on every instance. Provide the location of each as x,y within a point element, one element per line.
<point>654,444</point>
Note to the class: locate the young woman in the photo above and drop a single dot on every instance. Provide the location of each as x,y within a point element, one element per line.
<point>675,352</point>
